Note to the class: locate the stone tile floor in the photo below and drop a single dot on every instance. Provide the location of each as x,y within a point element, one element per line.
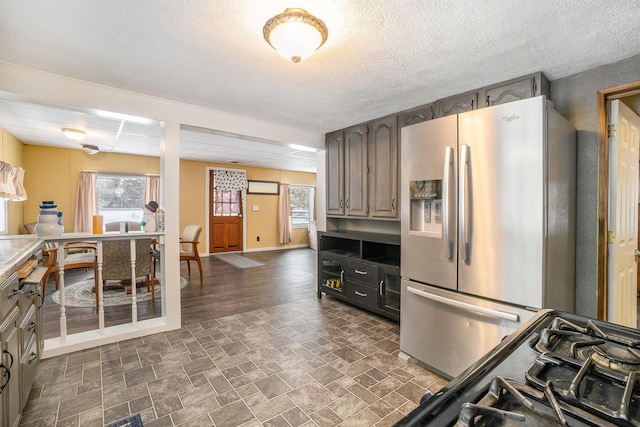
<point>309,363</point>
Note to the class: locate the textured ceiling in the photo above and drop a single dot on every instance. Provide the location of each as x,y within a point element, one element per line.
<point>381,57</point>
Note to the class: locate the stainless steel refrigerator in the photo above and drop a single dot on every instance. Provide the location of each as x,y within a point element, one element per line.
<point>488,228</point>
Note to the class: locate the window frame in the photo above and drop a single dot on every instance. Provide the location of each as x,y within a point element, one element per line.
<point>311,189</point>
<point>128,214</point>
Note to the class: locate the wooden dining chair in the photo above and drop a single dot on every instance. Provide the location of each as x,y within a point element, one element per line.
<point>77,255</point>
<point>189,247</point>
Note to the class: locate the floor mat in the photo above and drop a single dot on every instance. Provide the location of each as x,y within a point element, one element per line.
<point>134,421</point>
<point>238,261</point>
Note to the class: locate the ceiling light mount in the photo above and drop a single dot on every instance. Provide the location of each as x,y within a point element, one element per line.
<point>295,34</point>
<point>74,134</point>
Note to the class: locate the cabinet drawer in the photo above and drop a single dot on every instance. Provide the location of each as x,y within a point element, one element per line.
<point>28,326</point>
<point>362,273</point>
<point>9,294</point>
<point>363,295</point>
<point>28,293</point>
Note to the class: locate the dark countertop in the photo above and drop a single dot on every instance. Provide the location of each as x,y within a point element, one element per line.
<point>14,251</point>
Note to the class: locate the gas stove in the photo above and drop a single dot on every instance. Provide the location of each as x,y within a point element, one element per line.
<point>559,369</point>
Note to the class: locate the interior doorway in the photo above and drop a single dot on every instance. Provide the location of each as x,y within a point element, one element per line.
<point>629,94</point>
<point>226,218</point>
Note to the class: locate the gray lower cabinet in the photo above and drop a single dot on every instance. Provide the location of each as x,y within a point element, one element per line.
<point>361,269</point>
<point>21,342</point>
<point>335,172</point>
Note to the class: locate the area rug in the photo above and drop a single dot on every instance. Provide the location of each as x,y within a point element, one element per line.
<point>238,261</point>
<point>81,294</point>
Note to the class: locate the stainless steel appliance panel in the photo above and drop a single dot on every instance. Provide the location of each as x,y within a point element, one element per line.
<point>428,151</point>
<point>449,331</point>
<point>502,201</point>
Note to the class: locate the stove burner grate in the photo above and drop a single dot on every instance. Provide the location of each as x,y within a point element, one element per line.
<point>510,403</point>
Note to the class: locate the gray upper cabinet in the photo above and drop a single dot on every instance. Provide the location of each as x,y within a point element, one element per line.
<point>383,168</point>
<point>416,115</point>
<point>457,104</point>
<point>356,170</point>
<point>516,89</point>
<point>335,173</point>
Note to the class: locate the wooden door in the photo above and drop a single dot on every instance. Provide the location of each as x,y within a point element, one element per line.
<point>225,220</point>
<point>624,141</point>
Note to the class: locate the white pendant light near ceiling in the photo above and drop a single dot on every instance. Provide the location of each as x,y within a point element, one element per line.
<point>90,149</point>
<point>295,34</point>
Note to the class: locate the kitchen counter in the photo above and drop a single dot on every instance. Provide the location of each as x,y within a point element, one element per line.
<point>14,251</point>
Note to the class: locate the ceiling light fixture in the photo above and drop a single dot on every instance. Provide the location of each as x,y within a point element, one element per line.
<point>295,34</point>
<point>90,149</point>
<point>74,134</point>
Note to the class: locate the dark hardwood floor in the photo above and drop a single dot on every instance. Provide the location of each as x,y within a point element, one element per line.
<point>288,275</point>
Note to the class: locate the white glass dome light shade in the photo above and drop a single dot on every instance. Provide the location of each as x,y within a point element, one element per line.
<point>295,34</point>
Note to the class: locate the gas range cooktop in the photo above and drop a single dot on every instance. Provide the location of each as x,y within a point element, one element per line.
<point>559,369</point>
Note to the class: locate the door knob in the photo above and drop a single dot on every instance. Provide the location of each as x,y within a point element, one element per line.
<point>636,254</point>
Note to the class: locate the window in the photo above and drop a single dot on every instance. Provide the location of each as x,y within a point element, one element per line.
<point>226,203</point>
<point>120,197</point>
<point>301,205</point>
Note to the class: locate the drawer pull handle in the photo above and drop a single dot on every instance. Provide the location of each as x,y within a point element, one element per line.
<point>31,326</point>
<point>11,356</point>
<point>364,273</point>
<point>6,373</point>
<point>13,294</point>
<point>33,356</point>
<point>361,294</point>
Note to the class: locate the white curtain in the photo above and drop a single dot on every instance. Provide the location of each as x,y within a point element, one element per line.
<point>229,180</point>
<point>285,224</point>
<point>86,203</point>
<point>152,191</point>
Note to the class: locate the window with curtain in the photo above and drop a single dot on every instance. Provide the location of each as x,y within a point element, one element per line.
<point>301,205</point>
<point>120,197</point>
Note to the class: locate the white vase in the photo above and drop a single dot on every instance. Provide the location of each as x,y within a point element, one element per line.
<point>44,229</point>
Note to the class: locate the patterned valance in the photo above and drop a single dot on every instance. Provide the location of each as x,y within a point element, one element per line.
<point>226,180</point>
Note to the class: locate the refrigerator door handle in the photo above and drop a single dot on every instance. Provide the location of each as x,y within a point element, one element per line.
<point>465,306</point>
<point>446,200</point>
<point>464,199</point>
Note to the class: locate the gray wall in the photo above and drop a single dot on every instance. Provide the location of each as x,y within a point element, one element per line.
<point>575,98</point>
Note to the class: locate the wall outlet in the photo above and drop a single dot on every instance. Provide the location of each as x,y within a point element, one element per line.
<point>257,238</point>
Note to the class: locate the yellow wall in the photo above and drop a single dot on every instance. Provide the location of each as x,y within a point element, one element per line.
<point>11,152</point>
<point>52,174</point>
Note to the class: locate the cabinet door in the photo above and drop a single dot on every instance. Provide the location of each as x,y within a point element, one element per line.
<point>514,90</point>
<point>457,104</point>
<point>390,289</point>
<point>356,170</point>
<point>330,275</point>
<point>335,173</point>
<point>416,115</point>
<point>383,167</point>
<point>10,371</point>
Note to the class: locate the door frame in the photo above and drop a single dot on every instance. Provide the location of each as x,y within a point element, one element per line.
<point>208,204</point>
<point>603,187</point>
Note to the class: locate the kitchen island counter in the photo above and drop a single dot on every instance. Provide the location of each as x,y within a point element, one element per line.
<point>14,251</point>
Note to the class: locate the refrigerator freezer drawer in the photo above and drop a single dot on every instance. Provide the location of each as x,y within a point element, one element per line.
<point>449,331</point>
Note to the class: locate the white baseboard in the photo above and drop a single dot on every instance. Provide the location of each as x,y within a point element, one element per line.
<point>274,248</point>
